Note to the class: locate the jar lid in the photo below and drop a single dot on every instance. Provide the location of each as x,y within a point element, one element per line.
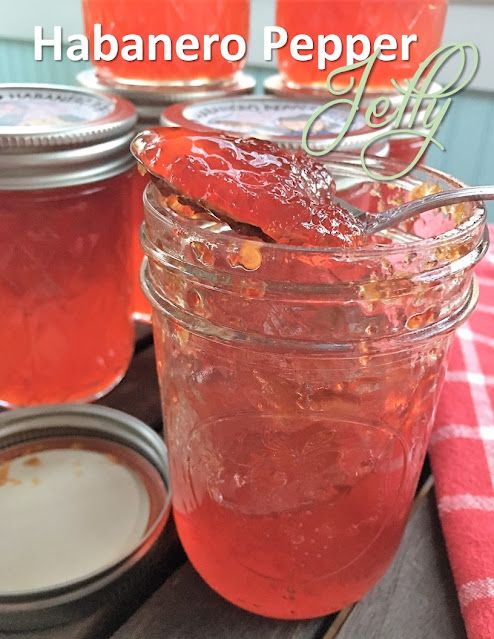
<point>270,118</point>
<point>149,100</point>
<point>277,85</point>
<point>53,136</point>
<point>84,498</point>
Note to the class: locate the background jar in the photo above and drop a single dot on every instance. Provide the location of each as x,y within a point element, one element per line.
<point>299,388</point>
<point>66,332</point>
<point>425,18</point>
<point>278,119</point>
<point>402,147</point>
<point>146,17</point>
<point>149,104</point>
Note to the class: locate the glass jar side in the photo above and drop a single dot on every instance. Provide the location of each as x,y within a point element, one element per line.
<point>293,475</point>
<point>66,333</point>
<point>141,17</point>
<point>141,308</point>
<point>397,18</point>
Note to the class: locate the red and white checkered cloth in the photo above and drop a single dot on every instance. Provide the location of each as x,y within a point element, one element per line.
<point>462,457</point>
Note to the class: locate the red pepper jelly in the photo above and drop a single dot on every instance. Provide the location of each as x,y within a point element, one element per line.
<point>65,231</point>
<point>243,182</point>
<point>384,22</point>
<point>161,64</point>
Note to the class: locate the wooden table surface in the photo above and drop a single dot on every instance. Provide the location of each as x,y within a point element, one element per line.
<point>416,598</point>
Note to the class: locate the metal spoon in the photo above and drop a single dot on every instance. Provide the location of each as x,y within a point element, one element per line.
<point>373,223</point>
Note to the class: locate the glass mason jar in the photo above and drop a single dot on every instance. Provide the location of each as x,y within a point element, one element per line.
<point>152,17</point>
<point>397,18</point>
<point>299,387</point>
<point>65,230</point>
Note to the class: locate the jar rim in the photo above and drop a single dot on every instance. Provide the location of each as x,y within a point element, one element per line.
<point>475,220</point>
<point>429,279</point>
<point>383,345</point>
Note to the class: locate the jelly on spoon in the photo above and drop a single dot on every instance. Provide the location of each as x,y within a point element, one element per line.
<point>285,194</point>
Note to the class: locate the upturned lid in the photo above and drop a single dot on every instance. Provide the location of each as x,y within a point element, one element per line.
<point>84,497</point>
<point>55,136</point>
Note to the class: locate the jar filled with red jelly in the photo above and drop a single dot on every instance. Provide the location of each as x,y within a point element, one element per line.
<point>299,383</point>
<point>397,21</point>
<point>161,64</point>
<point>149,105</point>
<point>65,230</point>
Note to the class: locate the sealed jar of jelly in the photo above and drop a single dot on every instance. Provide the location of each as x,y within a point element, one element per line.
<point>277,119</point>
<point>402,147</point>
<point>299,383</point>
<point>394,20</point>
<point>149,103</point>
<point>65,230</point>
<point>161,64</point>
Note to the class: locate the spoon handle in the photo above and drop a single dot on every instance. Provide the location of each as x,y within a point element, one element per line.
<point>393,216</point>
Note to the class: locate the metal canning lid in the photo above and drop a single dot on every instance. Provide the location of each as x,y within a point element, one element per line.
<point>279,120</point>
<point>149,100</point>
<point>276,85</point>
<point>55,136</point>
<point>84,497</point>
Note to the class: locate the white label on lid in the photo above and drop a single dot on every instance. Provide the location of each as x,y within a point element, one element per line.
<point>50,109</point>
<point>270,117</point>
<point>66,514</point>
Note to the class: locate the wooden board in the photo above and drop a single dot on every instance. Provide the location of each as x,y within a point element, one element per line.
<point>112,614</point>
<point>143,335</point>
<point>185,607</point>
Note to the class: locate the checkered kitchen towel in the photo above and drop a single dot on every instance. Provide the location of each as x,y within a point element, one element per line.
<point>462,456</point>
